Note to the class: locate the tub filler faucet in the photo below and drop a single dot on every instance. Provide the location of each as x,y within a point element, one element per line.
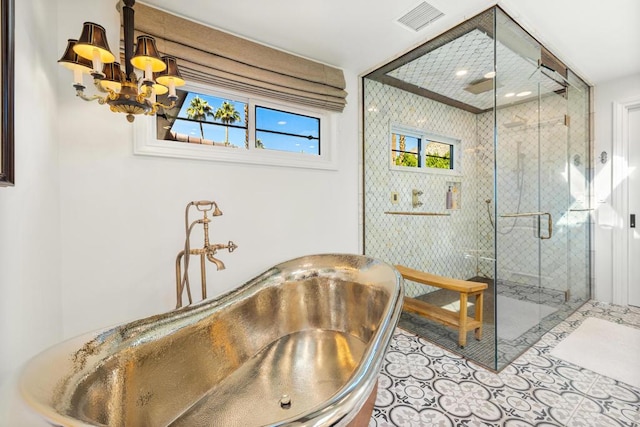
<point>207,252</point>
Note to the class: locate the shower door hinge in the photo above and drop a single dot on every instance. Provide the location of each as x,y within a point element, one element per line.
<point>567,120</point>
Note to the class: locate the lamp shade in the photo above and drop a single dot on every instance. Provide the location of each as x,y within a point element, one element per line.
<point>147,54</point>
<point>158,88</point>
<point>92,39</point>
<point>112,77</point>
<point>73,61</point>
<point>171,73</point>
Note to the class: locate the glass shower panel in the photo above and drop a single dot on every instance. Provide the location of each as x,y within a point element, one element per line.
<point>530,156</point>
<point>553,131</point>
<point>579,215</point>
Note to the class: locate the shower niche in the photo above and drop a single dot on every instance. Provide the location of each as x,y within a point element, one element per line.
<point>522,223</point>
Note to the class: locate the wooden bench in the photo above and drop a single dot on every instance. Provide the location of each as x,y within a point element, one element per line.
<point>459,320</point>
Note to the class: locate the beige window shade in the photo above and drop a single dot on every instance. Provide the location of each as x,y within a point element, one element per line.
<point>213,57</point>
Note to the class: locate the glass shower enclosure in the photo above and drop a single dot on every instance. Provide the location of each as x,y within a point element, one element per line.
<point>477,167</point>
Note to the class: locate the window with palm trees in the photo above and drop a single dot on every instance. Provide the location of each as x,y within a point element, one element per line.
<point>405,150</point>
<point>216,121</point>
<point>206,119</point>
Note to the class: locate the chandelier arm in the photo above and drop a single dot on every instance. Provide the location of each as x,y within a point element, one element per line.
<point>146,90</point>
<point>98,86</point>
<point>80,94</point>
<point>157,105</point>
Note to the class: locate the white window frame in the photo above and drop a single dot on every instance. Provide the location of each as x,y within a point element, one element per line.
<point>146,143</point>
<point>425,137</point>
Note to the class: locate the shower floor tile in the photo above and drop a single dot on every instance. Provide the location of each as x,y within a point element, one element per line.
<point>423,384</point>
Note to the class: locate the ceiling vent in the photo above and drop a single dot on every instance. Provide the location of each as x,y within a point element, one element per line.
<point>420,16</point>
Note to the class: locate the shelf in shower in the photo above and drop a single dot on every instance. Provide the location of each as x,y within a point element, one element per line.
<point>418,213</point>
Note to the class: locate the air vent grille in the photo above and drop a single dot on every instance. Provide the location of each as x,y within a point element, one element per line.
<point>420,16</point>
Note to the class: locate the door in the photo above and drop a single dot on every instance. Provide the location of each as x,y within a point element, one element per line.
<point>532,192</point>
<point>542,201</point>
<point>634,206</point>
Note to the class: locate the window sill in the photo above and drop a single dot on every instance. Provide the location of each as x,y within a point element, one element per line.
<point>145,143</point>
<point>428,171</point>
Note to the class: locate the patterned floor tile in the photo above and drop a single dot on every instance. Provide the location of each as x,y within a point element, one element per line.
<point>422,384</point>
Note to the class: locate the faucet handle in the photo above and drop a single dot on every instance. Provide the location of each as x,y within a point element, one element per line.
<point>232,246</point>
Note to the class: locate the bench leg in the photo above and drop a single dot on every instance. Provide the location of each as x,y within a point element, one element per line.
<point>478,315</point>
<point>462,333</point>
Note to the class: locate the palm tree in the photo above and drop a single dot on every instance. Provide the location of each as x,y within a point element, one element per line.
<point>227,114</point>
<point>199,109</point>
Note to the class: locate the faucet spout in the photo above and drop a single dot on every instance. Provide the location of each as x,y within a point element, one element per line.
<point>219,264</point>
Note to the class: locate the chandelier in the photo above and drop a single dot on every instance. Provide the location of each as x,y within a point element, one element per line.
<point>124,92</point>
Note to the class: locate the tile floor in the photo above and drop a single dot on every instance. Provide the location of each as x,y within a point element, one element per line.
<point>422,384</point>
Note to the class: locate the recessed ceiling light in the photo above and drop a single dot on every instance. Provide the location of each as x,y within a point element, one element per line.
<point>282,123</point>
<point>525,93</point>
<point>490,75</point>
<point>461,73</point>
<point>509,95</point>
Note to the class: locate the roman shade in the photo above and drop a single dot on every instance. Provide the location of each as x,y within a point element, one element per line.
<point>213,57</point>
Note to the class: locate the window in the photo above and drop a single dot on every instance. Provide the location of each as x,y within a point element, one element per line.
<point>438,155</point>
<point>414,149</point>
<point>280,130</point>
<point>225,126</point>
<point>206,119</point>
<point>405,150</point>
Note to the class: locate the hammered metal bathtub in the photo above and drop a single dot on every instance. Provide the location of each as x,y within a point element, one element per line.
<point>311,332</point>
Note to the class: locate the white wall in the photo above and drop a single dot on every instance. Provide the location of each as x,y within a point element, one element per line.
<point>90,233</point>
<point>30,307</point>
<point>605,94</point>
<point>29,212</point>
<point>123,215</point>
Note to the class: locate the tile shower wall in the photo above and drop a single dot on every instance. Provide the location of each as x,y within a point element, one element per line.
<point>462,245</point>
<point>443,245</point>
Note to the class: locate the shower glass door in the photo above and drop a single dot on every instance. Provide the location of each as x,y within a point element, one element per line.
<point>518,125</point>
<point>531,190</point>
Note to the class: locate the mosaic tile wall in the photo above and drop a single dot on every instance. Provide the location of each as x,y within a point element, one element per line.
<point>461,245</point>
<point>444,245</point>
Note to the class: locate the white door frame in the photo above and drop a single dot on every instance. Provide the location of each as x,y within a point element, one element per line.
<point>620,198</point>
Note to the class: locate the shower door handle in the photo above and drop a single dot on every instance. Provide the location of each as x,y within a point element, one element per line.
<point>538,214</point>
<point>549,227</point>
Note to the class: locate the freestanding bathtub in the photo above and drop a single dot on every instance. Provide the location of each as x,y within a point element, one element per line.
<point>302,345</point>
